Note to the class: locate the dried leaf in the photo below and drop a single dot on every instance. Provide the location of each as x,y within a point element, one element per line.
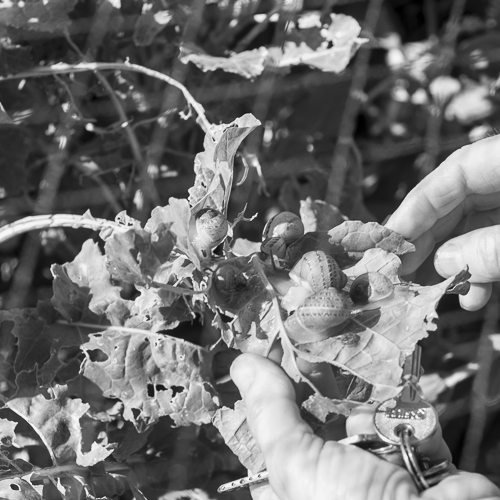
<point>153,375</point>
<point>214,166</point>
<point>343,31</point>
<point>233,426</point>
<point>321,407</point>
<point>356,237</point>
<point>249,63</point>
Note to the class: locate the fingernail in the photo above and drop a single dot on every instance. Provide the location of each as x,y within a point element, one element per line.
<point>448,260</point>
<point>242,373</point>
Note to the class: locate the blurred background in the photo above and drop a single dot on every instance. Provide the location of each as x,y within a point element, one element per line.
<point>423,84</point>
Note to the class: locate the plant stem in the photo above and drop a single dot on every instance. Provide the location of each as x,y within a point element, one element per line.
<point>63,68</point>
<point>38,222</point>
<point>339,168</point>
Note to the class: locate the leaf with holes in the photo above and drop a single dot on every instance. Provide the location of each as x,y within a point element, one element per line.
<point>57,422</point>
<point>18,489</point>
<point>153,375</point>
<point>154,309</point>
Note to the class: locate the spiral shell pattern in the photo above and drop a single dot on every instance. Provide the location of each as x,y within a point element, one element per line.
<point>319,271</point>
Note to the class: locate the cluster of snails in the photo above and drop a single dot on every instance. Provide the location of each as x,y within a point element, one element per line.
<point>316,300</point>
<point>312,291</point>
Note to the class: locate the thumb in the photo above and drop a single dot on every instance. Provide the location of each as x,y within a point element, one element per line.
<point>274,419</point>
<point>479,249</point>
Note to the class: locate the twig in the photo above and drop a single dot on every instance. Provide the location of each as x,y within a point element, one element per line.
<point>148,186</point>
<point>479,394</point>
<point>169,99</point>
<point>63,68</point>
<point>38,222</point>
<point>348,122</point>
<point>435,116</point>
<point>257,29</point>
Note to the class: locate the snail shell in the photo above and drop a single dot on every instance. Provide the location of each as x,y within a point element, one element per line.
<point>317,314</point>
<point>371,287</point>
<point>275,245</point>
<point>210,228</point>
<point>316,270</point>
<point>285,225</point>
<point>228,283</point>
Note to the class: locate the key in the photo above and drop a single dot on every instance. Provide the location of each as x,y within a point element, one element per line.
<point>408,411</point>
<point>368,442</point>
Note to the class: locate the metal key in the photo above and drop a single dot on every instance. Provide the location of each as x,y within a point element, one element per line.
<point>368,442</point>
<point>408,411</point>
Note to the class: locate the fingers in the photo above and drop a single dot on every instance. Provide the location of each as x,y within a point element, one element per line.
<point>478,296</point>
<point>472,170</point>
<point>463,486</point>
<point>284,438</point>
<point>479,249</point>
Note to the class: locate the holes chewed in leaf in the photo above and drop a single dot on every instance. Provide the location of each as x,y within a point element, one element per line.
<point>160,387</point>
<point>176,389</point>
<point>151,390</point>
<point>14,486</point>
<point>96,355</point>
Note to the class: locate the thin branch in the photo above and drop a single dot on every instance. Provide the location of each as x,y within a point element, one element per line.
<point>39,222</point>
<point>257,29</point>
<point>349,116</point>
<point>63,68</point>
<point>147,185</point>
<point>429,159</point>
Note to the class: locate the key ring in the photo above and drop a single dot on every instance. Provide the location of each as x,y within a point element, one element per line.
<point>368,442</point>
<point>411,460</point>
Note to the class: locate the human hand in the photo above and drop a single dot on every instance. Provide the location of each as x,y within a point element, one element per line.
<point>465,188</point>
<point>302,466</point>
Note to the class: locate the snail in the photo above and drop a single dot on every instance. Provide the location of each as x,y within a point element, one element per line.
<point>208,228</point>
<point>229,282</point>
<point>371,287</point>
<point>284,225</point>
<point>275,246</point>
<point>316,316</point>
<point>316,271</point>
